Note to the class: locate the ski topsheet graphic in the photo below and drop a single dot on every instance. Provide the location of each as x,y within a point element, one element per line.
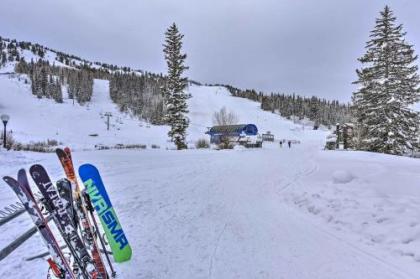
<point>66,194</point>
<point>62,219</point>
<point>96,190</point>
<point>87,229</point>
<point>25,195</point>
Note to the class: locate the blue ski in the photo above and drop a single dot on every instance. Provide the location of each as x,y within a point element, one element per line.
<point>100,200</point>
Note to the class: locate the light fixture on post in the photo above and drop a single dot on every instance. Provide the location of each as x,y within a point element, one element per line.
<point>5,118</point>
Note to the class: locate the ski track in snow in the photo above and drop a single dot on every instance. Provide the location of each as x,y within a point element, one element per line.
<point>227,214</point>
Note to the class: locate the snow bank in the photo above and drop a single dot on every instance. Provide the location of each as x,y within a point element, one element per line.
<point>342,177</point>
<point>379,209</point>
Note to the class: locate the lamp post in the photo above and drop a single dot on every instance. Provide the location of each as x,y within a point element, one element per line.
<point>5,118</point>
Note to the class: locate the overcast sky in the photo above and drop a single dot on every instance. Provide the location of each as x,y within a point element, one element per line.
<point>305,46</point>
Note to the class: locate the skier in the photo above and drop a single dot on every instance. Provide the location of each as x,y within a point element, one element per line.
<point>281,144</point>
<point>289,143</point>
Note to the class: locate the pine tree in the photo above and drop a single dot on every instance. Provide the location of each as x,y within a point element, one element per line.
<point>174,91</point>
<point>43,82</point>
<point>389,84</point>
<point>3,58</point>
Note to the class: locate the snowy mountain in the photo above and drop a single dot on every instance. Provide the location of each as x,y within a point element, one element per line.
<point>85,126</point>
<point>13,51</point>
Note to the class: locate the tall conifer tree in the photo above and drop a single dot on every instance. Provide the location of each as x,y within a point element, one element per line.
<point>174,91</point>
<point>389,86</point>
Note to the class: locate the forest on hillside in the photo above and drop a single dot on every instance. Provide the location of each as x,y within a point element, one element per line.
<point>141,93</point>
<point>320,111</point>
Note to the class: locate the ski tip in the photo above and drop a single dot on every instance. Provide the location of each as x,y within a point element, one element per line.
<point>63,154</point>
<point>10,180</point>
<point>59,151</point>
<point>22,173</point>
<point>22,177</point>
<point>7,178</point>
<point>63,183</point>
<point>87,167</point>
<point>36,170</point>
<point>87,170</point>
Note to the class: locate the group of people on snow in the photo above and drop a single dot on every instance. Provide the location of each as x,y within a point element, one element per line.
<point>289,143</point>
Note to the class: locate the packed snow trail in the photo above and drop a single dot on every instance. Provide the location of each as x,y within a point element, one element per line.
<point>218,214</point>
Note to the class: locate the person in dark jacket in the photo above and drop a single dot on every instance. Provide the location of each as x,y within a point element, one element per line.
<point>289,143</point>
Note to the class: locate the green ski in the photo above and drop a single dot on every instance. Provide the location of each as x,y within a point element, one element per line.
<point>100,200</point>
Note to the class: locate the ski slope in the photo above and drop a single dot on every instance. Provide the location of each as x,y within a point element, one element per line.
<point>84,127</point>
<point>207,100</point>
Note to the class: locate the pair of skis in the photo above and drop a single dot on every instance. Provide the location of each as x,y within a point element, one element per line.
<point>59,211</point>
<point>87,230</point>
<point>58,263</point>
<point>68,206</point>
<point>95,194</point>
<point>55,205</point>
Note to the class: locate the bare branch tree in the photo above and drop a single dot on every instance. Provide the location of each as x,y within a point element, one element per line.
<point>223,117</point>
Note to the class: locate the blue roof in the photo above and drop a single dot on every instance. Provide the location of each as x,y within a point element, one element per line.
<point>234,130</point>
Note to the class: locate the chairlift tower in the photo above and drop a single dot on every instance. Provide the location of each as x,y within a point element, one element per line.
<point>108,115</point>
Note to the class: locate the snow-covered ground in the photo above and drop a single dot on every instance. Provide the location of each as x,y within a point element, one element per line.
<point>266,213</point>
<point>263,213</point>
